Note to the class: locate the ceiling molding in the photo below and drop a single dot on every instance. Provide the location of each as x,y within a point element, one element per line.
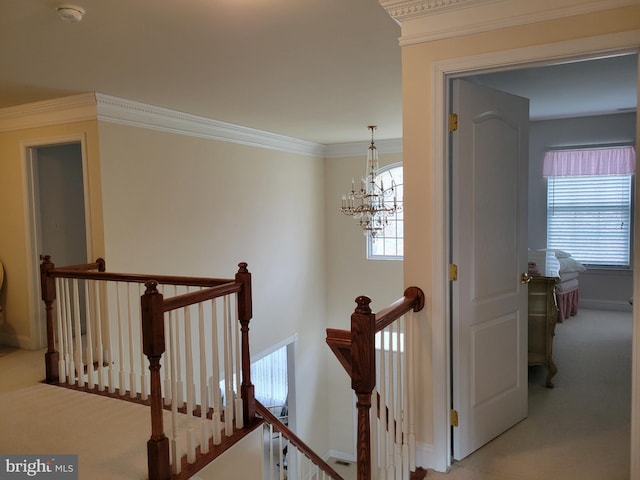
<point>428,20</point>
<point>126,112</point>
<point>97,106</point>
<point>74,108</point>
<point>403,9</point>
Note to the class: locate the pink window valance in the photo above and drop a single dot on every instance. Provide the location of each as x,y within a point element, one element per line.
<point>590,161</point>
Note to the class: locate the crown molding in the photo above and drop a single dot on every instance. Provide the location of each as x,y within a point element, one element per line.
<point>127,112</point>
<point>401,10</point>
<point>97,106</point>
<point>74,108</point>
<point>428,20</point>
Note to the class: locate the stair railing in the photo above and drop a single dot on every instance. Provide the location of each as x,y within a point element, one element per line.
<point>100,331</point>
<point>287,456</point>
<point>377,355</point>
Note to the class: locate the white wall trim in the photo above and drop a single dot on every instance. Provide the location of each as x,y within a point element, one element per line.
<point>441,73</point>
<point>73,108</point>
<point>425,455</point>
<point>37,329</point>
<point>428,20</point>
<point>92,106</point>
<point>18,341</point>
<point>127,112</point>
<point>338,455</point>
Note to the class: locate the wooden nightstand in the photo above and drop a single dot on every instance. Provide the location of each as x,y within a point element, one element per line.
<point>543,315</point>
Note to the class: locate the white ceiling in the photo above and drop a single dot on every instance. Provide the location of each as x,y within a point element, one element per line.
<point>317,70</point>
<point>594,87</point>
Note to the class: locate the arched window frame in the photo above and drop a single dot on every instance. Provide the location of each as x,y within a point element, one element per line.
<point>389,245</point>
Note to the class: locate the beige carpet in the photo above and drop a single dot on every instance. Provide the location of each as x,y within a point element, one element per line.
<point>578,430</point>
<point>109,436</point>
<point>581,428</point>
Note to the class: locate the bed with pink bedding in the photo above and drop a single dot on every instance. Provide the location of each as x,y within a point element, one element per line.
<point>559,264</point>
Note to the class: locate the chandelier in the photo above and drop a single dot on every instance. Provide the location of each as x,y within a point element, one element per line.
<point>373,203</point>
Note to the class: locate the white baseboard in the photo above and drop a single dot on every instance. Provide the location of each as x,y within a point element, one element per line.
<point>425,458</point>
<point>18,341</point>
<point>611,305</point>
<point>338,455</point>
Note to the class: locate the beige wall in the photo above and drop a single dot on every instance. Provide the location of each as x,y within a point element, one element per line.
<point>350,274</point>
<point>420,164</point>
<point>15,297</point>
<point>186,205</point>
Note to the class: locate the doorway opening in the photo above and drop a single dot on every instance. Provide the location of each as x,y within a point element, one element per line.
<point>582,134</point>
<point>58,218</point>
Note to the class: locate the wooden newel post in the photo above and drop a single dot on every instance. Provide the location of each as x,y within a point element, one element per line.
<point>153,347</point>
<point>363,378</point>
<point>245,312</point>
<point>48,288</point>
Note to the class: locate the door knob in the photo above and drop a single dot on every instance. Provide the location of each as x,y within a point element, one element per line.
<point>525,278</point>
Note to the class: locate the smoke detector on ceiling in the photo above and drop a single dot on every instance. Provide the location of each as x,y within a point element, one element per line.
<point>70,13</point>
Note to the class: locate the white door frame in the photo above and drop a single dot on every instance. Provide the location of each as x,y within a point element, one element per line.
<point>442,72</point>
<point>38,333</point>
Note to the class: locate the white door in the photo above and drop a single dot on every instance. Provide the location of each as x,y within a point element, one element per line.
<point>489,155</point>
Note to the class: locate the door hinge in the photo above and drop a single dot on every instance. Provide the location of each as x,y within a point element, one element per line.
<point>453,272</point>
<point>453,122</point>
<point>454,418</point>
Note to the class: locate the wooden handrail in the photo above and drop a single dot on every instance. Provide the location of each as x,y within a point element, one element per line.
<point>413,299</point>
<point>153,308</point>
<point>96,271</point>
<point>295,440</point>
<point>187,299</point>
<point>355,350</point>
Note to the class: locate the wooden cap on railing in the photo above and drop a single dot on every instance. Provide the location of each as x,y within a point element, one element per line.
<point>363,305</point>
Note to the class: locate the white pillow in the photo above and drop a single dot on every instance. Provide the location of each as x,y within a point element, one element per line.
<point>569,264</point>
<point>558,253</point>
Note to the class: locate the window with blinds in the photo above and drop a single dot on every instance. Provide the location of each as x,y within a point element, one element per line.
<point>590,217</point>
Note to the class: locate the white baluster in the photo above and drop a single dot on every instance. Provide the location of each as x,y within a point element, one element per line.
<point>215,370</point>
<point>179,391</point>
<point>166,364</point>
<point>120,326</point>
<point>132,375</point>
<point>99,339</point>
<point>107,348</point>
<point>204,400</point>
<point>409,343</point>
<point>228,377</point>
<point>72,366</point>
<point>89,320</point>
<point>399,399</point>
<point>383,421</point>
<point>173,338</point>
<point>281,456</point>
<point>59,320</point>
<point>191,447</point>
<point>375,426</point>
<point>78,332</point>
<point>144,389</point>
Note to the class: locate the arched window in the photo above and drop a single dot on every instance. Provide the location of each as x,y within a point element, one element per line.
<point>390,243</point>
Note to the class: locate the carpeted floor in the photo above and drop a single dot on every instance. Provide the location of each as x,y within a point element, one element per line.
<point>579,429</point>
<point>109,436</point>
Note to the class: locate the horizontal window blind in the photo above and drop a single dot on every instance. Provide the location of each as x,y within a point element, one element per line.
<point>590,217</point>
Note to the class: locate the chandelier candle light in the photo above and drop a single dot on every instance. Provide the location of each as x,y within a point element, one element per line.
<point>368,204</point>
